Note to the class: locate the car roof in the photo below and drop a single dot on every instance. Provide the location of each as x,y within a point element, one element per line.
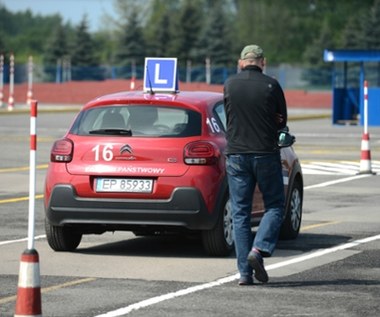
<point>194,98</point>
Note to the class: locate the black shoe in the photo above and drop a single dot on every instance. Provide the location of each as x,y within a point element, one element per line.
<point>256,261</point>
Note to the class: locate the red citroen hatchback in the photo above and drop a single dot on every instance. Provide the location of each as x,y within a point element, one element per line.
<point>151,164</point>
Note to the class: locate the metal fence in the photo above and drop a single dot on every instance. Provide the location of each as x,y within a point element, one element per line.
<point>289,76</point>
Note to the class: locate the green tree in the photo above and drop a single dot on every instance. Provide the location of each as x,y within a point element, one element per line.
<point>25,33</point>
<point>131,44</point>
<point>187,30</point>
<point>371,27</point>
<point>55,52</point>
<point>83,53</point>
<point>158,28</point>
<point>215,41</point>
<point>351,36</point>
<point>319,72</point>
<point>84,58</point>
<point>57,46</point>
<point>2,44</point>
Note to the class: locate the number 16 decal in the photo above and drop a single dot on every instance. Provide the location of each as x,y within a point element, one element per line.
<point>106,153</point>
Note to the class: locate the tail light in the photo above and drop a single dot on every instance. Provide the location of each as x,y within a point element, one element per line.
<point>62,151</point>
<point>201,153</point>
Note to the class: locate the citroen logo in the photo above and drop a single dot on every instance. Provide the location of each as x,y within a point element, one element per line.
<point>126,149</point>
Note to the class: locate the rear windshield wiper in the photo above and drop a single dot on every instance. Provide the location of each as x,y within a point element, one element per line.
<point>123,132</point>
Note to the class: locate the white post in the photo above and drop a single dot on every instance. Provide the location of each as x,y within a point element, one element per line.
<point>188,71</point>
<point>32,173</point>
<point>11,100</point>
<point>1,80</point>
<point>208,70</point>
<point>29,94</point>
<point>365,118</point>
<point>365,158</point>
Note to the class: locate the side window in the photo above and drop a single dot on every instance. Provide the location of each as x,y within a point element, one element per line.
<point>221,115</point>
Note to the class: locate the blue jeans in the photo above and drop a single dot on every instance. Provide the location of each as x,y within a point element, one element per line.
<point>244,171</point>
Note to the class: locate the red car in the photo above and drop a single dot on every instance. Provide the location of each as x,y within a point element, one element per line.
<point>151,164</point>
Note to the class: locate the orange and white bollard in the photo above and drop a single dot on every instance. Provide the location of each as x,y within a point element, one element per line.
<point>11,101</point>
<point>29,94</point>
<point>28,301</point>
<point>365,158</point>
<point>133,84</point>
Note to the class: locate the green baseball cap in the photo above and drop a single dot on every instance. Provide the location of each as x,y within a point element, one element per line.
<point>252,51</point>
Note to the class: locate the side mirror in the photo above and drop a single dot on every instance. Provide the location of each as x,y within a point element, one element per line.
<point>285,139</point>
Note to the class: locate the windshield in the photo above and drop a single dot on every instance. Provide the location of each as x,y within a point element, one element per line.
<point>138,120</point>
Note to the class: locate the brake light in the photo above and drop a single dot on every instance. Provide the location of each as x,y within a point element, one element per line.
<point>201,153</point>
<point>62,151</point>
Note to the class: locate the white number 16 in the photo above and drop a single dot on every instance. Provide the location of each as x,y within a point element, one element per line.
<point>107,154</point>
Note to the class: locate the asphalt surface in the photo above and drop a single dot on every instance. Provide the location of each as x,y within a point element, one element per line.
<point>167,277</point>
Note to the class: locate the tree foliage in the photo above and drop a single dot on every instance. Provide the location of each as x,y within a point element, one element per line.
<point>292,31</point>
<point>57,46</point>
<point>131,45</point>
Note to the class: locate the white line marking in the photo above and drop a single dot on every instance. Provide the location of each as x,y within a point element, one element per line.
<point>21,240</point>
<point>335,168</point>
<point>193,289</point>
<point>342,180</point>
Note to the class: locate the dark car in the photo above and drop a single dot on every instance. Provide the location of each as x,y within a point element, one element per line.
<point>152,164</point>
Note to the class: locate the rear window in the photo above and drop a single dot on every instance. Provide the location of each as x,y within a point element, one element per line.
<point>138,120</point>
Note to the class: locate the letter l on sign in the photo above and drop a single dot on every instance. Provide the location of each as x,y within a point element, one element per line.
<point>157,80</point>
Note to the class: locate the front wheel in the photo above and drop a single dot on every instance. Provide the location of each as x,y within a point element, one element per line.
<point>219,241</point>
<point>62,238</point>
<point>293,213</point>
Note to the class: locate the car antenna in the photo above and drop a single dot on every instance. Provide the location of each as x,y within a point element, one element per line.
<point>150,83</point>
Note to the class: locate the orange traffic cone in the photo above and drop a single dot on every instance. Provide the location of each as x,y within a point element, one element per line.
<point>365,160</point>
<point>28,301</point>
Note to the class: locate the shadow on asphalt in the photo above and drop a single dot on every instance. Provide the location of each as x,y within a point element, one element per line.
<point>160,246</point>
<point>182,246</point>
<point>310,241</point>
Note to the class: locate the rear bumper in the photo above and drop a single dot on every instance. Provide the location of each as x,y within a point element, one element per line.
<point>185,208</point>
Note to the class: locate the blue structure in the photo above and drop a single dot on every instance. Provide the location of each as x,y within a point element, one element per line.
<point>348,95</point>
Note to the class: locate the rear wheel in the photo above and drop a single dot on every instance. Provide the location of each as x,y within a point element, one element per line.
<point>62,238</point>
<point>292,223</point>
<point>219,241</point>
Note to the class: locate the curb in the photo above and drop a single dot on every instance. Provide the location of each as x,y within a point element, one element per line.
<point>309,117</point>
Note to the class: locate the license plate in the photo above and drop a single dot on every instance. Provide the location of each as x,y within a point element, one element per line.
<point>124,185</point>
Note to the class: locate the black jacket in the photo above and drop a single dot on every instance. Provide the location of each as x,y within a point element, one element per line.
<point>251,101</point>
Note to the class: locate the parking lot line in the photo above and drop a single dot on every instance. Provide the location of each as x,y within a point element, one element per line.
<point>337,181</point>
<point>317,225</point>
<point>43,236</point>
<point>155,300</point>
<point>17,199</point>
<point>21,168</point>
<point>51,288</point>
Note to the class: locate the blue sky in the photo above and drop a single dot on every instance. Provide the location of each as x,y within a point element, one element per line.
<point>70,10</point>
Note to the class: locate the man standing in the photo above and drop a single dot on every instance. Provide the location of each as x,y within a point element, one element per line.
<point>256,109</point>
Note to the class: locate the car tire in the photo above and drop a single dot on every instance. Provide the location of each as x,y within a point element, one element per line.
<point>292,222</point>
<point>62,238</point>
<point>219,241</point>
